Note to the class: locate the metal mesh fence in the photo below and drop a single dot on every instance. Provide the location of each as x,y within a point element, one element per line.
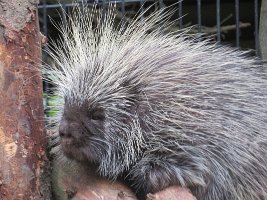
<point>234,22</point>
<point>198,9</point>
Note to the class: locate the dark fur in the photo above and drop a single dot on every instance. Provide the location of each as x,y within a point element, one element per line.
<point>163,110</point>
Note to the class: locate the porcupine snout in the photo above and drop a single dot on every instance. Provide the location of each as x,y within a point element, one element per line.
<point>75,124</point>
<point>71,129</point>
<point>79,131</point>
<point>65,129</point>
<point>71,138</point>
<point>70,132</point>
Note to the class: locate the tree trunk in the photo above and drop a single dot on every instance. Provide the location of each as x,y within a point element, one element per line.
<point>22,134</point>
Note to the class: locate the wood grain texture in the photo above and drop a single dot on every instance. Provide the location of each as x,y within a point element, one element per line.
<point>22,135</point>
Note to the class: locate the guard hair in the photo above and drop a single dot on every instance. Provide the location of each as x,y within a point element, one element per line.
<point>160,108</point>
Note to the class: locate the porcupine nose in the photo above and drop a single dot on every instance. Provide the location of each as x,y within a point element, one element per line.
<point>64,130</point>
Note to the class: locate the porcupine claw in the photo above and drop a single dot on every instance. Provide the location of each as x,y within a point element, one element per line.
<point>172,193</point>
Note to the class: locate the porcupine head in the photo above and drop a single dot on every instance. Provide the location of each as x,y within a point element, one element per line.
<point>160,107</point>
<point>103,105</point>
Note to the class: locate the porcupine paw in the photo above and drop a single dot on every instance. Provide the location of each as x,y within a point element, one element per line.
<point>150,196</point>
<point>155,178</point>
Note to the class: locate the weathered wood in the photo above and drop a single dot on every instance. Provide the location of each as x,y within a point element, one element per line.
<point>172,193</point>
<point>78,182</point>
<point>22,134</point>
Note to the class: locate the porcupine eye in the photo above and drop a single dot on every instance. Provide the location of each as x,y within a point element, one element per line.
<point>97,114</point>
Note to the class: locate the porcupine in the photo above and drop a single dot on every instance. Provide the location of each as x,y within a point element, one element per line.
<point>161,108</point>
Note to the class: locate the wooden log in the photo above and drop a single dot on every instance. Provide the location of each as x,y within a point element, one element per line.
<point>22,134</point>
<point>75,181</point>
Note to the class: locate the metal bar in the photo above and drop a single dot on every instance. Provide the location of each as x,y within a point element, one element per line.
<point>59,5</point>
<point>55,6</point>
<point>45,17</point>
<point>161,4</point>
<point>104,10</point>
<point>123,14</point>
<point>180,14</point>
<point>64,6</point>
<point>123,9</point>
<point>237,23</point>
<point>218,21</point>
<point>64,10</point>
<point>256,33</point>
<point>199,15</point>
<point>142,3</point>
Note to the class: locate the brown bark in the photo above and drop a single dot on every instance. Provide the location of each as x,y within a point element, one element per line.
<point>22,135</point>
<point>78,182</point>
